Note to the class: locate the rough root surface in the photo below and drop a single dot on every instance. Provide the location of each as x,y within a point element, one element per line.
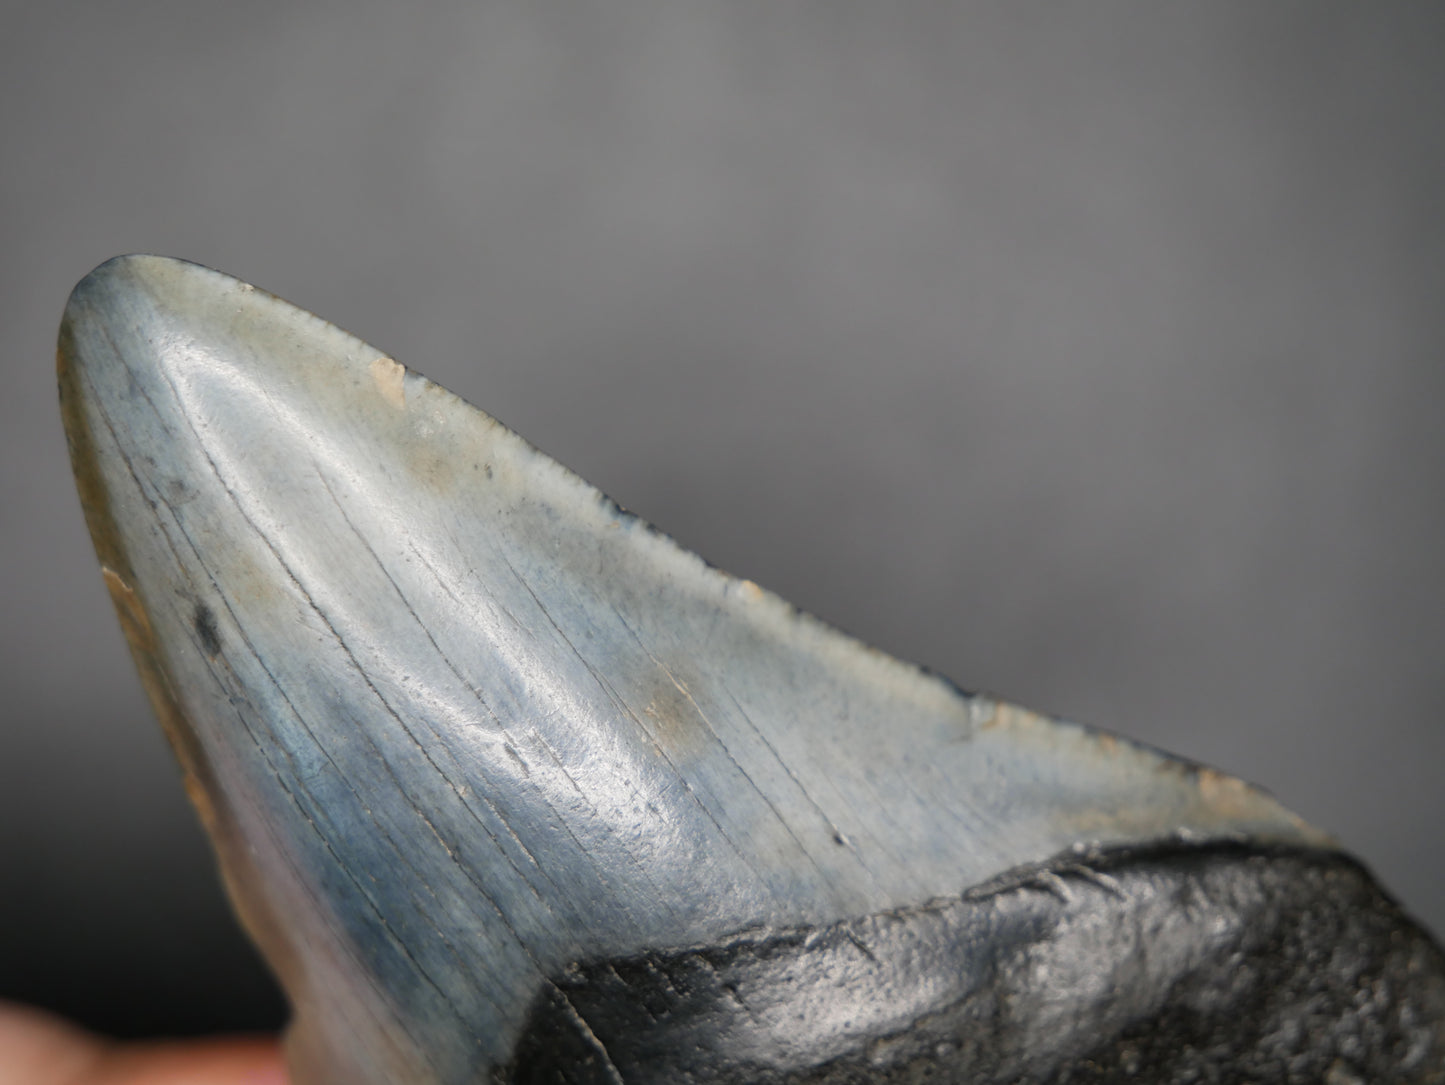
<point>1222,963</point>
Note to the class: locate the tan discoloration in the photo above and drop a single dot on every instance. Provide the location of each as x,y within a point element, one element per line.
<point>676,721</point>
<point>1218,789</point>
<point>749,589</point>
<point>126,604</point>
<point>389,377</point>
<point>1230,797</point>
<point>1001,715</point>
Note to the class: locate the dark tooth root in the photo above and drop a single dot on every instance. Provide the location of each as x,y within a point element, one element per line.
<point>475,747</point>
<point>1171,963</point>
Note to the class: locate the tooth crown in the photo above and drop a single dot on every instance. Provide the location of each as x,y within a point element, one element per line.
<point>457,722</point>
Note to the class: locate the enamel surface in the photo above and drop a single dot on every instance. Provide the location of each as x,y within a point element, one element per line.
<point>456,721</point>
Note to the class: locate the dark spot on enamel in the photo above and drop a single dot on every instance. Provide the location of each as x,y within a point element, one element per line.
<point>204,623</point>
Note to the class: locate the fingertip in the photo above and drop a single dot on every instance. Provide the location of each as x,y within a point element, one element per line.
<point>38,1048</point>
<point>239,1061</point>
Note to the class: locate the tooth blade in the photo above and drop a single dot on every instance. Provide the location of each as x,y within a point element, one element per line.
<point>456,722</point>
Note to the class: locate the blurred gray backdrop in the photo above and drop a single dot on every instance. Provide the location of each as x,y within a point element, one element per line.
<point>1092,355</point>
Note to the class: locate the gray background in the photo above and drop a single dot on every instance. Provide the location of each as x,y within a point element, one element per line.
<point>1090,354</point>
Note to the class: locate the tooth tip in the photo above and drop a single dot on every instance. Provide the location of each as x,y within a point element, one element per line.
<point>110,285</point>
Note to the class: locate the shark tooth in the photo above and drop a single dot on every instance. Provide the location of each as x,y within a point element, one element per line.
<point>507,786</point>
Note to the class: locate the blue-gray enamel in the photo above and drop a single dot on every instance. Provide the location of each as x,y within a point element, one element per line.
<point>457,721</point>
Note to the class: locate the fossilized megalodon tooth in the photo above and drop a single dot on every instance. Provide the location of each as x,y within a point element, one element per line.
<point>508,786</point>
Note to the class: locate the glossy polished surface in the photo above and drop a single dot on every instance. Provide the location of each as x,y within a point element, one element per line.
<point>457,722</point>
